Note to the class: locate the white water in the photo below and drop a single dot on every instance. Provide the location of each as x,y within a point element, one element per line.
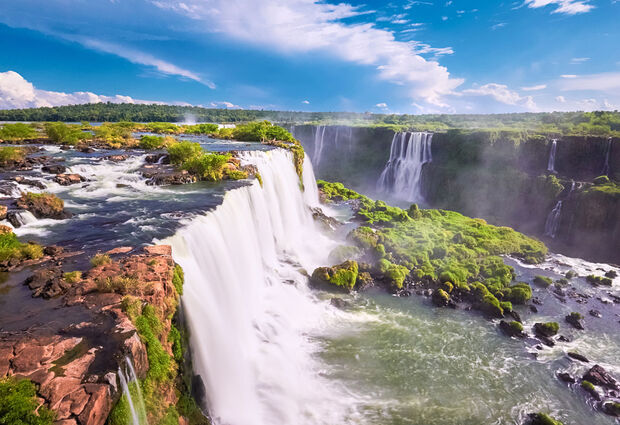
<point>250,312</point>
<point>319,139</point>
<point>607,153</point>
<point>25,217</point>
<point>136,407</point>
<point>552,224</point>
<point>552,152</point>
<point>401,177</point>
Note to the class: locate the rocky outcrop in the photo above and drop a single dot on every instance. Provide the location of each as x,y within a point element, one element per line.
<point>43,205</point>
<point>75,367</point>
<point>68,179</point>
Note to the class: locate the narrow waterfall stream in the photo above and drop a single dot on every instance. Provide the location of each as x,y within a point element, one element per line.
<point>605,170</point>
<point>132,392</point>
<point>552,152</point>
<point>552,224</point>
<point>248,306</point>
<point>401,177</point>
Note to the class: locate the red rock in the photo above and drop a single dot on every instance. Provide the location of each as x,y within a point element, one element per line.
<point>119,250</point>
<point>99,405</point>
<point>158,249</point>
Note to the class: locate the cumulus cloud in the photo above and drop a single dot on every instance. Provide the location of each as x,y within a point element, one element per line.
<point>560,99</point>
<point>17,92</point>
<point>502,94</point>
<point>382,105</point>
<point>567,7</point>
<point>305,102</point>
<point>223,104</point>
<point>293,26</point>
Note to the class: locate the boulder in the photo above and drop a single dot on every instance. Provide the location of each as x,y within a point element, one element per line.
<point>512,329</point>
<point>43,205</point>
<point>577,356</point>
<point>547,329</point>
<point>599,376</point>
<point>68,179</point>
<point>3,212</point>
<point>29,182</point>
<point>566,377</point>
<point>54,169</point>
<point>116,158</point>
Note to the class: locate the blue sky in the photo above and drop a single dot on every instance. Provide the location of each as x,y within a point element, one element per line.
<point>401,56</point>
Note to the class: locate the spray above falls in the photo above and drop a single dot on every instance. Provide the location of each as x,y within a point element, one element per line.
<point>401,177</point>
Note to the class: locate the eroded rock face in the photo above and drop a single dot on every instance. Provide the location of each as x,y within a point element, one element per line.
<point>75,367</point>
<point>43,205</point>
<point>68,179</point>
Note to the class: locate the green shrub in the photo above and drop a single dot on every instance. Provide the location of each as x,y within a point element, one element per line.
<point>73,277</point>
<point>100,259</point>
<point>116,284</point>
<point>132,306</point>
<point>178,278</point>
<point>150,142</point>
<point>9,154</point>
<point>63,133</point>
<point>180,152</point>
<point>18,404</point>
<point>342,276</point>
<point>149,327</point>
<point>17,131</point>
<point>206,128</point>
<point>162,127</point>
<point>12,248</point>
<point>236,174</point>
<point>207,166</point>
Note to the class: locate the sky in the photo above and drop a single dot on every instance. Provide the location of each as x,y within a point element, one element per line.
<point>402,56</point>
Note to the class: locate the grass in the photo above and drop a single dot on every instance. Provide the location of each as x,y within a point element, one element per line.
<point>100,259</point>
<point>73,277</point>
<point>19,405</point>
<point>12,248</point>
<point>9,154</point>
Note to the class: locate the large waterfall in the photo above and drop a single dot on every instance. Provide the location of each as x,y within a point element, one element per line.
<point>552,152</point>
<point>401,177</point>
<point>250,312</point>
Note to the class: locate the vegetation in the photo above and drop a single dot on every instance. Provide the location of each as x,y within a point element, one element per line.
<point>67,134</point>
<point>11,248</point>
<point>17,131</point>
<point>547,328</point>
<point>201,129</point>
<point>342,276</point>
<point>573,123</point>
<point>599,280</point>
<point>543,281</point>
<point>11,154</point>
<point>73,277</point>
<point>459,254</point>
<point>178,279</point>
<point>150,142</point>
<point>100,259</point>
<point>19,404</point>
<point>543,419</point>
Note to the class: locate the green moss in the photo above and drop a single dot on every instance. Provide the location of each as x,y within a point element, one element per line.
<point>18,404</point>
<point>178,278</point>
<point>236,174</point>
<point>570,274</point>
<point>599,280</point>
<point>395,274</point>
<point>342,276</point>
<point>440,297</point>
<point>544,419</point>
<point>174,337</point>
<point>519,293</point>
<point>548,328</point>
<point>336,191</point>
<point>516,326</point>
<point>132,306</point>
<point>600,180</point>
<point>587,385</point>
<point>259,178</point>
<point>100,259</point>
<point>506,306</point>
<point>73,277</point>
<point>76,352</point>
<point>576,316</point>
<point>543,281</point>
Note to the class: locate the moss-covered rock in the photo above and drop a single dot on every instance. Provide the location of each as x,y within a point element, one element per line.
<point>542,419</point>
<point>440,298</point>
<point>599,280</point>
<point>43,205</point>
<point>546,329</point>
<point>19,404</point>
<point>512,328</point>
<point>543,281</point>
<point>575,319</point>
<point>342,276</point>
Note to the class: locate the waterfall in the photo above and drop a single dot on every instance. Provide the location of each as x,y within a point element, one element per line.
<point>250,312</point>
<point>402,174</point>
<point>25,217</point>
<point>130,384</point>
<point>551,161</point>
<point>552,223</point>
<point>319,138</point>
<point>605,171</point>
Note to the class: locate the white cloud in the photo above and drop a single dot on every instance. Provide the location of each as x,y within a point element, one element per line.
<point>382,105</point>
<point>305,102</point>
<point>578,61</point>
<point>560,99</point>
<point>502,94</point>
<point>444,18</point>
<point>142,58</point>
<point>568,7</point>
<point>568,76</point>
<point>223,104</point>
<point>17,92</point>
<point>498,26</point>
<point>293,26</point>
<point>534,88</point>
<point>606,82</point>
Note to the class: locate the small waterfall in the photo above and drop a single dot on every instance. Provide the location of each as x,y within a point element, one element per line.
<point>552,152</point>
<point>130,384</point>
<point>319,139</point>
<point>25,217</point>
<point>552,224</point>
<point>250,312</point>
<point>402,174</point>
<point>605,171</point>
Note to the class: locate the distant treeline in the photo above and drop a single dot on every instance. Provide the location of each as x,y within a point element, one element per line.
<point>596,123</point>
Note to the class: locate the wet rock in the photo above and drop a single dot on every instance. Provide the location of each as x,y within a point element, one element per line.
<point>44,205</point>
<point>158,158</point>
<point>516,316</point>
<point>512,329</point>
<point>536,301</point>
<point>327,222</point>
<point>597,375</point>
<point>566,377</point>
<point>339,303</point>
<point>47,283</point>
<point>68,179</point>
<point>575,320</point>
<point>590,389</point>
<point>13,219</point>
<point>547,329</point>
<point>53,250</point>
<point>595,313</point>
<point>563,338</point>
<point>577,356</point>
<point>612,274</point>
<point>440,298</point>
<point>116,158</point>
<point>541,419</point>
<point>29,182</point>
<point>54,169</point>
<point>612,408</point>
<point>163,177</point>
<point>86,149</point>
<point>533,309</point>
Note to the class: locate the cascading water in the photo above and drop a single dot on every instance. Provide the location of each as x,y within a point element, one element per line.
<point>552,223</point>
<point>401,177</point>
<point>133,393</point>
<point>552,152</point>
<point>605,170</point>
<point>319,139</point>
<point>248,306</point>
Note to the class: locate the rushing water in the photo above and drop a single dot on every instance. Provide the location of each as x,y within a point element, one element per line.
<point>605,170</point>
<point>552,152</point>
<point>272,351</point>
<point>401,177</point>
<point>133,393</point>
